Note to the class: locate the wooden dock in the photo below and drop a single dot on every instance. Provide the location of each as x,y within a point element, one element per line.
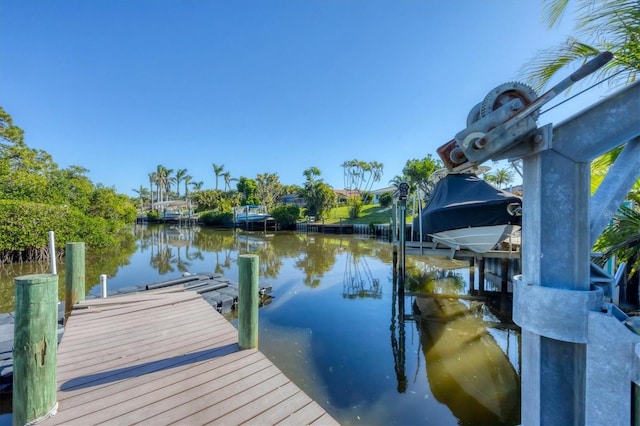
<point>168,357</point>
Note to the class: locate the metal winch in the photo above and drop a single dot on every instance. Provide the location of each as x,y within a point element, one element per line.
<point>506,117</point>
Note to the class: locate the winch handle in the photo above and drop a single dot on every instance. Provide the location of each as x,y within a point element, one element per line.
<point>591,66</point>
<point>580,73</point>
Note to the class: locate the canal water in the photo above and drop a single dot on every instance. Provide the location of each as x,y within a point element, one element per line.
<point>338,325</point>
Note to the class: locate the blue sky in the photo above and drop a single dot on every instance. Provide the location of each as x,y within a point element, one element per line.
<point>276,86</point>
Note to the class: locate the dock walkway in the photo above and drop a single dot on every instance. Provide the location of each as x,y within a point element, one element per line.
<point>165,357</point>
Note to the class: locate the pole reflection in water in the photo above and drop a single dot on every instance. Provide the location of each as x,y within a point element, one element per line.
<point>398,341</point>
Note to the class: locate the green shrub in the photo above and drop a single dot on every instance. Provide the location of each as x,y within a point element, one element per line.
<point>386,199</point>
<point>286,216</point>
<point>355,207</point>
<point>213,218</point>
<point>24,229</point>
<point>366,197</point>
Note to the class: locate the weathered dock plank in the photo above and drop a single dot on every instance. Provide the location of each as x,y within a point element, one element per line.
<point>166,357</point>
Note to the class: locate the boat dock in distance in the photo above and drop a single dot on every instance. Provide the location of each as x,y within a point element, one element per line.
<point>167,356</point>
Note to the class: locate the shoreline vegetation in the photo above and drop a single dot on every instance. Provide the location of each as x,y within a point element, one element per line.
<point>37,196</point>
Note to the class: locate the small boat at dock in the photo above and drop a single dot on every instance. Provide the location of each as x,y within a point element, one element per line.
<point>250,213</point>
<point>466,212</point>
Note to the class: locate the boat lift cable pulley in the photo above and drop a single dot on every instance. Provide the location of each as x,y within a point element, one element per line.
<point>507,116</point>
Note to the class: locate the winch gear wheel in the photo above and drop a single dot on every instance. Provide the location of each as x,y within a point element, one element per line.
<point>505,93</point>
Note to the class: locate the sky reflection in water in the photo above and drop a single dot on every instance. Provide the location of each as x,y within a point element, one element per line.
<point>333,327</point>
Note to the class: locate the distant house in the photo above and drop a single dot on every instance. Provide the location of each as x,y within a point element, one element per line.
<point>515,189</point>
<point>378,192</point>
<point>292,200</point>
<point>343,195</point>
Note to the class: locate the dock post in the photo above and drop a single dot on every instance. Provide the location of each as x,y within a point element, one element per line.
<point>504,290</point>
<point>472,276</point>
<point>103,285</point>
<point>35,350</point>
<point>481,269</point>
<point>74,279</point>
<point>248,294</point>
<point>52,252</point>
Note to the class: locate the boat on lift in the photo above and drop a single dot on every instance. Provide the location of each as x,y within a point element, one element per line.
<point>467,213</point>
<point>250,213</point>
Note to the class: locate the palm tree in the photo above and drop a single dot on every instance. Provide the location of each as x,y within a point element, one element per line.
<point>197,186</point>
<point>622,239</point>
<point>227,180</point>
<point>187,181</point>
<point>501,177</point>
<point>152,179</point>
<point>160,175</point>
<point>375,174</point>
<point>180,175</point>
<point>397,180</point>
<point>143,194</point>
<point>217,170</point>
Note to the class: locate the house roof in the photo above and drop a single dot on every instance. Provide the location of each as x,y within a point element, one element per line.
<point>383,190</point>
<point>347,192</point>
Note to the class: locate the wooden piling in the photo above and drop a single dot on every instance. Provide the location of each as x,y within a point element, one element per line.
<point>504,275</point>
<point>481,270</point>
<point>74,276</point>
<point>248,294</point>
<point>472,276</point>
<point>35,344</point>
<point>395,258</point>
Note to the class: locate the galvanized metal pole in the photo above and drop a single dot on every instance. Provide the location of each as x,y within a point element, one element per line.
<point>553,302</point>
<point>248,294</point>
<point>555,252</point>
<point>403,237</point>
<point>394,221</point>
<point>35,345</point>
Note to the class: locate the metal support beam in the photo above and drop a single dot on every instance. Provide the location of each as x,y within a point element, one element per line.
<point>555,254</point>
<point>601,127</point>
<point>556,244</point>
<point>615,187</point>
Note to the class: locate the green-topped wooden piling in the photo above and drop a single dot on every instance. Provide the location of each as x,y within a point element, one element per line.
<point>75,276</point>
<point>35,344</point>
<point>248,295</point>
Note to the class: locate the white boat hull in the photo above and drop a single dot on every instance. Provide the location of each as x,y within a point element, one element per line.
<point>480,239</point>
<point>251,217</point>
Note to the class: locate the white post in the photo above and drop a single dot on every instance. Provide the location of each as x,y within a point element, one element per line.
<point>52,252</point>
<point>103,285</point>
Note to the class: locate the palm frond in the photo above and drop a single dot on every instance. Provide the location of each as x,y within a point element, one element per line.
<point>622,238</point>
<point>541,69</point>
<point>601,25</point>
<point>553,11</point>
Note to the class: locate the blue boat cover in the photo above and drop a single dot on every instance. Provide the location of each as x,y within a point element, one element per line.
<point>465,200</point>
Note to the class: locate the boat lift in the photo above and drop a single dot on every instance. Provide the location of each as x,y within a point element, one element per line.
<point>580,358</point>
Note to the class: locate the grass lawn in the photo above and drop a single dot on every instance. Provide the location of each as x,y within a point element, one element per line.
<point>371,213</point>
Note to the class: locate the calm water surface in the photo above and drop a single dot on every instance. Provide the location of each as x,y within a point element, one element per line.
<point>336,325</point>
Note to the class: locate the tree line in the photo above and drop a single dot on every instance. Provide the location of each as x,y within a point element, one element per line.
<point>36,196</point>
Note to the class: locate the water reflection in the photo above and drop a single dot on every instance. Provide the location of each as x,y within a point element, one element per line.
<point>468,366</point>
<point>358,278</point>
<point>369,349</point>
<point>398,335</point>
